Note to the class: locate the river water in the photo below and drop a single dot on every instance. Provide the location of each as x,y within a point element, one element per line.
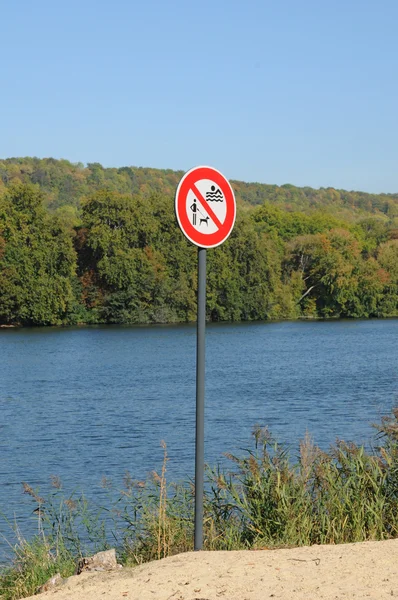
<point>83,403</point>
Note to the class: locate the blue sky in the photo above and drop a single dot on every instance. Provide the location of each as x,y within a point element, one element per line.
<point>276,91</point>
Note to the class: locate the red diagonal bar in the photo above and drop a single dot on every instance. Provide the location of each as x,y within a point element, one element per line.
<point>206,207</point>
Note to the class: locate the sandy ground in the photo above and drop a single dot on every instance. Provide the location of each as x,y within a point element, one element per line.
<point>366,570</point>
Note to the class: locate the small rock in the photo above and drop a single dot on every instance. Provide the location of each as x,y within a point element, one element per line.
<point>53,582</point>
<point>103,561</point>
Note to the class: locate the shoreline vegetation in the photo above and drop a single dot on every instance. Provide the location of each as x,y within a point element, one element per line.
<point>269,498</point>
<point>96,246</point>
<point>285,320</point>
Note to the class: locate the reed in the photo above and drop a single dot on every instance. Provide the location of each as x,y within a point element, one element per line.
<point>345,495</point>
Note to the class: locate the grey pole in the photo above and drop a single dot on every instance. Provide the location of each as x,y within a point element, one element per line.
<point>200,399</point>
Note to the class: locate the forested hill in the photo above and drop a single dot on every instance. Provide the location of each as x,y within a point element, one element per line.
<point>93,245</point>
<point>65,184</point>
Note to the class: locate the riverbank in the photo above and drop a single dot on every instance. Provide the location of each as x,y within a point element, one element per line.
<point>192,322</point>
<point>337,572</point>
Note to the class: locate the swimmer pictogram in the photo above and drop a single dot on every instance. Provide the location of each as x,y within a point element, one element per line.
<point>214,195</point>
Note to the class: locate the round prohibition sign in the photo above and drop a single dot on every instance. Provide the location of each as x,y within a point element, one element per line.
<point>205,207</point>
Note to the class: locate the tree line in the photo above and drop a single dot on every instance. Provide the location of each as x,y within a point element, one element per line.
<point>66,184</point>
<point>123,259</point>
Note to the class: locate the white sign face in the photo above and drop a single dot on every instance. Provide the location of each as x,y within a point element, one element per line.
<point>205,207</point>
<point>202,219</point>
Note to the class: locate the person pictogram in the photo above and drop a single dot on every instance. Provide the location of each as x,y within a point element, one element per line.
<point>194,209</point>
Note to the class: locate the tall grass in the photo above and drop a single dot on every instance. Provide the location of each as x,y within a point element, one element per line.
<point>268,498</point>
<point>67,527</point>
<point>34,562</point>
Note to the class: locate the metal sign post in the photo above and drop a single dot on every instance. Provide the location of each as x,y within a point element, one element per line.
<point>200,399</point>
<point>205,210</point>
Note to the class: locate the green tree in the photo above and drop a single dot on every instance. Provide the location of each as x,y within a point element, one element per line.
<point>244,277</point>
<point>387,257</point>
<point>37,261</point>
<point>326,266</point>
<point>135,254</point>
